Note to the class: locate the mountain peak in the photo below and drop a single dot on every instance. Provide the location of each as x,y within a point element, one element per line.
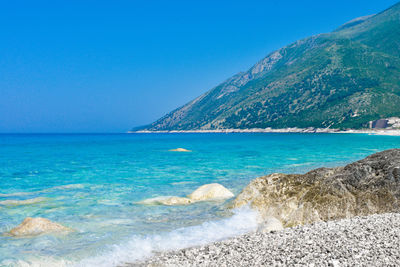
<point>354,22</point>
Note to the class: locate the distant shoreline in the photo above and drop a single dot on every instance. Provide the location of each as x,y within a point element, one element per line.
<point>392,132</point>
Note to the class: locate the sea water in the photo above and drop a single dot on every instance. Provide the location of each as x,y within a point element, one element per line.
<point>93,183</point>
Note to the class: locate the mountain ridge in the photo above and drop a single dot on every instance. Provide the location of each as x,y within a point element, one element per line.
<point>341,79</point>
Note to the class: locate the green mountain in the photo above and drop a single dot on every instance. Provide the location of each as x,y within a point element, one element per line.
<point>341,79</point>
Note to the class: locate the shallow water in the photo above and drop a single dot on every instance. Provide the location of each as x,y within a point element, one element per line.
<point>92,183</point>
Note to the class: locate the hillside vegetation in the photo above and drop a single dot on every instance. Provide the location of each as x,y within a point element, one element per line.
<point>341,79</point>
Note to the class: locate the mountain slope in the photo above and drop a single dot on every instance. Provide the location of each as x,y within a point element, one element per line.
<point>341,79</point>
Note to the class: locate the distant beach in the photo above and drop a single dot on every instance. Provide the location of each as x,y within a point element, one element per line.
<point>393,132</point>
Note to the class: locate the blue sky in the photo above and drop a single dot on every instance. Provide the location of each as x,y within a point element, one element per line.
<point>107,66</point>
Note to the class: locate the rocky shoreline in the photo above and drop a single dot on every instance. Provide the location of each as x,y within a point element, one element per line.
<point>341,216</point>
<point>360,241</point>
<point>365,187</point>
<point>394,132</point>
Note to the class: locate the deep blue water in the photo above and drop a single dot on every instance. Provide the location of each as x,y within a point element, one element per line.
<point>92,183</point>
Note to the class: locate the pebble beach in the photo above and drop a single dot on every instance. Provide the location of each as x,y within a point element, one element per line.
<point>360,241</point>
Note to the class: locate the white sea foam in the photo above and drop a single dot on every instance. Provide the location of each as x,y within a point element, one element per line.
<point>37,262</point>
<point>137,248</point>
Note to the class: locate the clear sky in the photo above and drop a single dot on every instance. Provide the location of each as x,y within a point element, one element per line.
<point>107,66</point>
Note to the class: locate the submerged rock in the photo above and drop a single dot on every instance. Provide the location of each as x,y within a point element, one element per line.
<point>368,186</point>
<point>209,192</point>
<point>180,150</point>
<point>203,193</point>
<point>37,226</point>
<point>169,201</point>
<point>12,202</point>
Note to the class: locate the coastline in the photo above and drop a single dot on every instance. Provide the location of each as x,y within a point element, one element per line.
<point>391,132</point>
<point>133,246</point>
<point>310,230</point>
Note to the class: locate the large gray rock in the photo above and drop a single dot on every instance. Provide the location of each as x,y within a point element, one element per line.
<point>368,186</point>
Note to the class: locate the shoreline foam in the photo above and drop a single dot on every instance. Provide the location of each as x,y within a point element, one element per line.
<point>139,248</point>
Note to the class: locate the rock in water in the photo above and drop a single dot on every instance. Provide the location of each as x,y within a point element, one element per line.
<point>180,150</point>
<point>36,226</point>
<point>368,186</point>
<point>210,191</point>
<point>176,201</point>
<point>167,200</point>
<point>22,202</point>
<point>204,192</point>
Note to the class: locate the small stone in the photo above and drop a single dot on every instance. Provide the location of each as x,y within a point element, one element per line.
<point>210,192</point>
<point>179,150</point>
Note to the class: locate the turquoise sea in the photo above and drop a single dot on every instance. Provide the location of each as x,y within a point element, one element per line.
<point>92,183</point>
